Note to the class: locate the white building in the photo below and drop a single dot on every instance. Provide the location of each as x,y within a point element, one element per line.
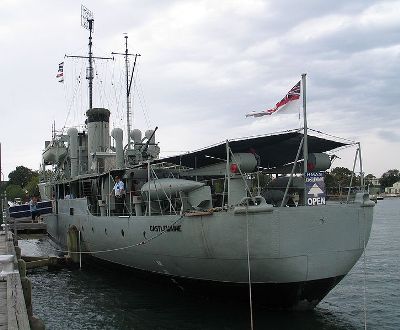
<point>374,181</point>
<point>393,190</point>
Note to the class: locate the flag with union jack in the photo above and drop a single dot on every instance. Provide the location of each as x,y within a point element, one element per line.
<point>60,72</point>
<point>289,100</point>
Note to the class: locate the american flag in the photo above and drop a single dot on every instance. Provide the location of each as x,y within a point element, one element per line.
<point>292,95</point>
<point>60,72</point>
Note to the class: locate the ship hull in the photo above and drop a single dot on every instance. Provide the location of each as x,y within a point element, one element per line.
<point>297,296</point>
<point>297,255</point>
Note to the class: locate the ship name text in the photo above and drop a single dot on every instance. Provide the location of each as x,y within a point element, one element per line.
<point>160,228</point>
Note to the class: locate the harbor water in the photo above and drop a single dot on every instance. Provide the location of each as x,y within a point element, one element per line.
<point>94,298</point>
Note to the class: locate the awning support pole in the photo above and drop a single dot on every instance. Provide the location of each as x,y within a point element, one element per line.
<point>228,174</point>
<point>291,173</point>
<point>352,175</point>
<point>361,167</point>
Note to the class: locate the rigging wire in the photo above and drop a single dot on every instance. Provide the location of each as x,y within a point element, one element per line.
<point>165,193</point>
<point>145,241</point>
<point>330,135</point>
<point>139,89</point>
<point>98,84</point>
<point>365,279</point>
<point>75,89</point>
<point>248,266</point>
<point>117,89</point>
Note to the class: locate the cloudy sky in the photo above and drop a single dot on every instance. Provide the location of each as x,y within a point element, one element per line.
<point>204,65</point>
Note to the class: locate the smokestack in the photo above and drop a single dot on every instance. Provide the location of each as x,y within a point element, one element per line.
<point>98,131</point>
<point>117,134</point>
<point>73,150</point>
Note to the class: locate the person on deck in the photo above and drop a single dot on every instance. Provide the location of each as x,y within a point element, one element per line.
<point>119,192</point>
<point>33,208</point>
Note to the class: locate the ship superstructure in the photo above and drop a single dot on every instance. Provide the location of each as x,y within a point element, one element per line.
<point>235,215</point>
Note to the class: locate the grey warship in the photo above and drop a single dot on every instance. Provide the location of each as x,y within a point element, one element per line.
<point>207,220</point>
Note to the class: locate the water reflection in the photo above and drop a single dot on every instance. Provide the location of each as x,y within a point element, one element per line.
<point>95,299</point>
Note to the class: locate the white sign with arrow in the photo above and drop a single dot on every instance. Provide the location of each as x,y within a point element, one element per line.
<point>315,189</point>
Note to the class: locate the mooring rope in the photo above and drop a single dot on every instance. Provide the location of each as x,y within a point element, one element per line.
<point>145,241</point>
<point>248,266</point>
<point>365,280</point>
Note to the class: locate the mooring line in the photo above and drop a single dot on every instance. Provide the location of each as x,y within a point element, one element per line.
<point>248,266</point>
<point>145,241</point>
<point>365,280</point>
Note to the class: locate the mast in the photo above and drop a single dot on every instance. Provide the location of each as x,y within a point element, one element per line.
<point>305,142</point>
<point>87,21</point>
<point>128,86</point>
<point>128,100</point>
<point>89,72</point>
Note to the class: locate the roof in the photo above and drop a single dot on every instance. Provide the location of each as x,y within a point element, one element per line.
<point>273,150</point>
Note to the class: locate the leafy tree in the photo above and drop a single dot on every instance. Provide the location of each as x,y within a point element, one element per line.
<point>32,186</point>
<point>341,175</point>
<point>330,183</point>
<point>389,178</point>
<point>47,174</point>
<point>3,186</point>
<point>369,177</point>
<point>21,176</point>
<point>14,191</point>
<point>339,178</point>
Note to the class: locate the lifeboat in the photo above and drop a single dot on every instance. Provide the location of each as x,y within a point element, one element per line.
<point>53,154</point>
<point>168,186</point>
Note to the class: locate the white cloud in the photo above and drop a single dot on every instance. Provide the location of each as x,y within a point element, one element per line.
<point>318,28</point>
<point>381,14</point>
<point>204,65</point>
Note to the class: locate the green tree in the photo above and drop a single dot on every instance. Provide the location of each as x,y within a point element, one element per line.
<point>369,177</point>
<point>32,186</point>
<point>3,186</point>
<point>330,183</point>
<point>14,191</point>
<point>21,176</point>
<point>46,175</point>
<point>339,178</point>
<point>389,178</point>
<point>342,175</point>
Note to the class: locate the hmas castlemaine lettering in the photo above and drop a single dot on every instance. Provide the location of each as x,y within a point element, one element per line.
<point>165,228</point>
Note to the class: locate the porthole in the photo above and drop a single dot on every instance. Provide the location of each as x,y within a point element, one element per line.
<point>92,229</point>
<point>122,232</point>
<point>105,231</point>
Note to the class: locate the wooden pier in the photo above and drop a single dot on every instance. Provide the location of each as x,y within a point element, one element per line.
<point>27,226</point>
<point>13,311</point>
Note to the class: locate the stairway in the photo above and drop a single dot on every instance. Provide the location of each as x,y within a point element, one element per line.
<point>87,188</point>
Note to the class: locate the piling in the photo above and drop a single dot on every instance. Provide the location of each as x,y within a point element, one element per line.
<point>13,301</point>
<point>15,288</point>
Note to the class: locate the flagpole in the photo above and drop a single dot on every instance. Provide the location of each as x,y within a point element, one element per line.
<point>228,175</point>
<point>305,142</point>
